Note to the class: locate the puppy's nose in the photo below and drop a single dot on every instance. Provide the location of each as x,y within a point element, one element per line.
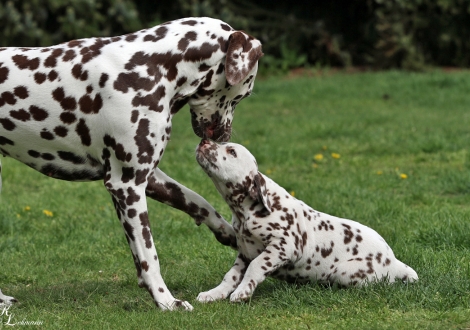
<point>204,142</point>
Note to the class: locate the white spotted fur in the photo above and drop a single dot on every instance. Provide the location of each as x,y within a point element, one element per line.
<point>268,222</point>
<point>109,151</point>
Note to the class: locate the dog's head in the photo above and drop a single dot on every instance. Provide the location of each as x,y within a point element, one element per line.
<point>234,171</point>
<point>226,83</point>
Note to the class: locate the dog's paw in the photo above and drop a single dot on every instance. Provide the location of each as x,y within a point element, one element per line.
<point>240,295</point>
<point>176,305</point>
<point>210,296</point>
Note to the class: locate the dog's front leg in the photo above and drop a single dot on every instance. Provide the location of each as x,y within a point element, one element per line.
<point>166,190</point>
<point>259,268</point>
<point>131,207</point>
<point>230,282</point>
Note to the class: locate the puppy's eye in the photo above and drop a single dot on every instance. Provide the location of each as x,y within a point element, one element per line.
<point>232,152</point>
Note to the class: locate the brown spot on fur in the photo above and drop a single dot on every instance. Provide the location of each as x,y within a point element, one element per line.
<point>7,124</point>
<point>83,132</point>
<point>21,92</point>
<point>51,61</point>
<point>103,79</point>
<point>39,77</point>
<point>145,148</point>
<point>88,105</point>
<point>22,62</point>
<point>4,71</point>
<point>145,265</point>
<point>38,113</point>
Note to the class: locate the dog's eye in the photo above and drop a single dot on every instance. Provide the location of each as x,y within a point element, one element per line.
<point>232,152</point>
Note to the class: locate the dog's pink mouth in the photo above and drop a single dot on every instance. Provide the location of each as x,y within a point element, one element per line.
<point>210,130</point>
<point>214,129</point>
<point>215,132</point>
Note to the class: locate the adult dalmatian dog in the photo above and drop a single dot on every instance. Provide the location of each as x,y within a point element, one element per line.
<point>101,109</point>
<point>280,236</point>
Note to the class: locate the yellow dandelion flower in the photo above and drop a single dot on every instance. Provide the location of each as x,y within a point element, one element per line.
<point>48,213</point>
<point>380,172</point>
<point>18,215</point>
<point>292,193</point>
<point>403,176</point>
<point>318,157</point>
<point>27,208</point>
<point>335,155</point>
<point>269,171</point>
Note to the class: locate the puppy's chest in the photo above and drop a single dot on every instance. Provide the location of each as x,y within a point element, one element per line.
<point>249,243</point>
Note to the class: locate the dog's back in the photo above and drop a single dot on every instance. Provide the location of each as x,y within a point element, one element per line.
<point>327,249</point>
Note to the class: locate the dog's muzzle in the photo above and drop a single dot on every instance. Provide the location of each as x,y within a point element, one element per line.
<point>214,129</point>
<point>206,155</point>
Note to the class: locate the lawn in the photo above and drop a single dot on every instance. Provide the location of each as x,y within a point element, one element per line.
<point>390,150</point>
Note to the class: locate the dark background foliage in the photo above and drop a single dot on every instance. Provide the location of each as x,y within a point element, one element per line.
<point>409,34</point>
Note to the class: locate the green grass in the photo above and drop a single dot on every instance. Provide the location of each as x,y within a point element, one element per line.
<point>74,269</point>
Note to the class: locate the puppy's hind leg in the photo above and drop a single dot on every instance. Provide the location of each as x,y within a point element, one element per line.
<point>360,272</point>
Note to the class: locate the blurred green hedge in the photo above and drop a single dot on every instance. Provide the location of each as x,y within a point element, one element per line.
<point>409,34</point>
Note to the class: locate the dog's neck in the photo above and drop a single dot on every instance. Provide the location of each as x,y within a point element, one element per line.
<point>239,200</point>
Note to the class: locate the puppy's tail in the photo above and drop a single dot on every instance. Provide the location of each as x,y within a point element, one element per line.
<point>405,273</point>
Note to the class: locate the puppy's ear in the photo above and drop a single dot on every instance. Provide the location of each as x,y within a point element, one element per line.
<point>259,192</point>
<point>242,54</point>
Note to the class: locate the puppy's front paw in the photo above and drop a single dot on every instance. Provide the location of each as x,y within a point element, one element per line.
<point>240,295</point>
<point>210,296</point>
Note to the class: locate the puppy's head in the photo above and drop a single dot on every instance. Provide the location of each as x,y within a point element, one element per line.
<point>233,169</point>
<point>225,162</point>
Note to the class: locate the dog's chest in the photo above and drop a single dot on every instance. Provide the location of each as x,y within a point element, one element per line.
<point>248,244</point>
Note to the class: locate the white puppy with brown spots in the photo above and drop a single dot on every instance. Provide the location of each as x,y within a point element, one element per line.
<point>280,236</point>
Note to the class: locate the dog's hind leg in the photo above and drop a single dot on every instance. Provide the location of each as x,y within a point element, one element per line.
<point>7,300</point>
<point>0,181</point>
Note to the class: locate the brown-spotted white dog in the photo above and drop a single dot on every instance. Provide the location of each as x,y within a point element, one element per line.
<point>280,236</point>
<point>101,109</point>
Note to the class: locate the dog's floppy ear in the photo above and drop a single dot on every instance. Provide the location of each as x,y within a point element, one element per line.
<point>259,192</point>
<point>242,54</point>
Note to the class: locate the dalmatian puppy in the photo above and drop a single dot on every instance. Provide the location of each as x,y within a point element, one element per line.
<point>280,236</point>
<point>101,109</point>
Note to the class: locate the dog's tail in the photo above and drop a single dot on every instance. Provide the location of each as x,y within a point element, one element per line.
<point>405,273</point>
